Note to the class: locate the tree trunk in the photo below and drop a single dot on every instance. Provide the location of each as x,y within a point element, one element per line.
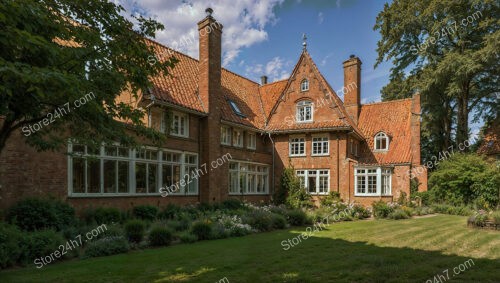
<point>463,117</point>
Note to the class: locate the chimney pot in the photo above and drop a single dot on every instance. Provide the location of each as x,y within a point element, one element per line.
<point>263,80</point>
<point>352,56</point>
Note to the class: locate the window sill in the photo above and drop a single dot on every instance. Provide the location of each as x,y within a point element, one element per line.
<point>248,194</point>
<point>320,155</point>
<point>381,150</point>
<point>302,155</point>
<point>371,195</point>
<point>304,122</point>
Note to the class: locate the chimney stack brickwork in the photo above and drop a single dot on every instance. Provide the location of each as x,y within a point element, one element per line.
<point>210,37</point>
<point>352,82</point>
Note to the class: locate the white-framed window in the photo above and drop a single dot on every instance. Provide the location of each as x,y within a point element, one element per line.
<point>372,181</point>
<point>237,138</point>
<point>248,178</point>
<point>297,146</point>
<point>304,111</point>
<point>180,124</point>
<point>251,140</point>
<point>381,141</point>
<point>116,170</point>
<point>304,85</point>
<point>320,145</point>
<point>386,182</point>
<point>225,135</point>
<point>314,181</point>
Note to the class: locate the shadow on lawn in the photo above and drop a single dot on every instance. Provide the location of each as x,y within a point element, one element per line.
<point>328,260</point>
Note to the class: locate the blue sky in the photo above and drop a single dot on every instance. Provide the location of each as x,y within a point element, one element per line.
<point>334,32</point>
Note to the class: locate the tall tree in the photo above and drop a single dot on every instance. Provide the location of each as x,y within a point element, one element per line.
<point>450,50</point>
<point>56,55</point>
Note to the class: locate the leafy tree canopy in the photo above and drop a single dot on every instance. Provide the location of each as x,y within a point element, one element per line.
<point>56,52</point>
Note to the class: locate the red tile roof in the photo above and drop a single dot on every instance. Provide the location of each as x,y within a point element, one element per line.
<point>270,93</point>
<point>257,103</point>
<point>392,118</point>
<point>180,87</point>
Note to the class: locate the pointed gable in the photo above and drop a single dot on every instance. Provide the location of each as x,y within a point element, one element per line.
<point>329,111</point>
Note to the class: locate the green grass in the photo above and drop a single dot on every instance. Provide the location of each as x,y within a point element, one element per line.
<point>412,250</point>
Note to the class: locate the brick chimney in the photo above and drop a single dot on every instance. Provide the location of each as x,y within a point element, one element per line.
<point>209,87</point>
<point>263,80</point>
<point>352,87</point>
<point>210,33</point>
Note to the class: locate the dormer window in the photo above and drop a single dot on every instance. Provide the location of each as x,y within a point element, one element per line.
<point>304,111</point>
<point>304,85</point>
<point>381,141</point>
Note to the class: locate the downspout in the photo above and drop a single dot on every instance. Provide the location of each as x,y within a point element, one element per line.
<point>272,142</point>
<point>199,156</point>
<point>338,164</point>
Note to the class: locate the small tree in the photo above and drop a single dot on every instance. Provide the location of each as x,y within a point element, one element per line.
<point>464,179</point>
<point>291,192</point>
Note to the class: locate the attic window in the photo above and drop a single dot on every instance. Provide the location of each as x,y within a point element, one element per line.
<point>304,85</point>
<point>235,108</point>
<point>381,141</point>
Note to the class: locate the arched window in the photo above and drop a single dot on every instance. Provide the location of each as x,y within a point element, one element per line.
<point>304,111</point>
<point>381,141</point>
<point>304,85</point>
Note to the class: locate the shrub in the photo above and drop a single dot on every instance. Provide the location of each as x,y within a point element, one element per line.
<point>496,217</point>
<point>360,212</point>
<point>176,225</point>
<point>408,210</point>
<point>134,229</point>
<point>463,178</point>
<point>218,231</point>
<point>112,231</point>
<point>398,214</point>
<point>169,212</point>
<point>145,212</point>
<point>424,198</point>
<point>424,210</point>
<point>10,245</point>
<point>453,210</point>
<point>160,236</point>
<point>296,217</point>
<point>402,200</point>
<point>43,243</point>
<point>381,209</point>
<point>187,237</point>
<point>259,220</point>
<point>102,215</point>
<point>202,230</point>
<point>36,214</point>
<point>332,198</point>
<point>279,221</point>
<point>479,219</point>
<point>290,188</point>
<point>232,204</point>
<point>107,246</point>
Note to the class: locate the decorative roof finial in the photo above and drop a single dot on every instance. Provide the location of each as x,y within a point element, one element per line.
<point>304,43</point>
<point>209,12</point>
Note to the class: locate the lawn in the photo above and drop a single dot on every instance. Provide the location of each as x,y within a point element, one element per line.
<point>412,250</point>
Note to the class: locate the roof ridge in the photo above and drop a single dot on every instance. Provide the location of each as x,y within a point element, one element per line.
<point>279,81</point>
<point>385,102</point>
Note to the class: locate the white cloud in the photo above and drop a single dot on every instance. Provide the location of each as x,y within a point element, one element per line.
<point>321,18</point>
<point>325,60</point>
<point>244,22</point>
<point>276,69</point>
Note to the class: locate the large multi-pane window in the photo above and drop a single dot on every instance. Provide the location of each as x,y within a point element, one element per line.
<point>297,146</point>
<point>314,181</point>
<point>120,170</point>
<point>304,111</point>
<point>248,178</point>
<point>372,181</point>
<point>320,145</point>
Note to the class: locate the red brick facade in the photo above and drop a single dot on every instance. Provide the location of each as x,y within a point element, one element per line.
<point>208,94</point>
